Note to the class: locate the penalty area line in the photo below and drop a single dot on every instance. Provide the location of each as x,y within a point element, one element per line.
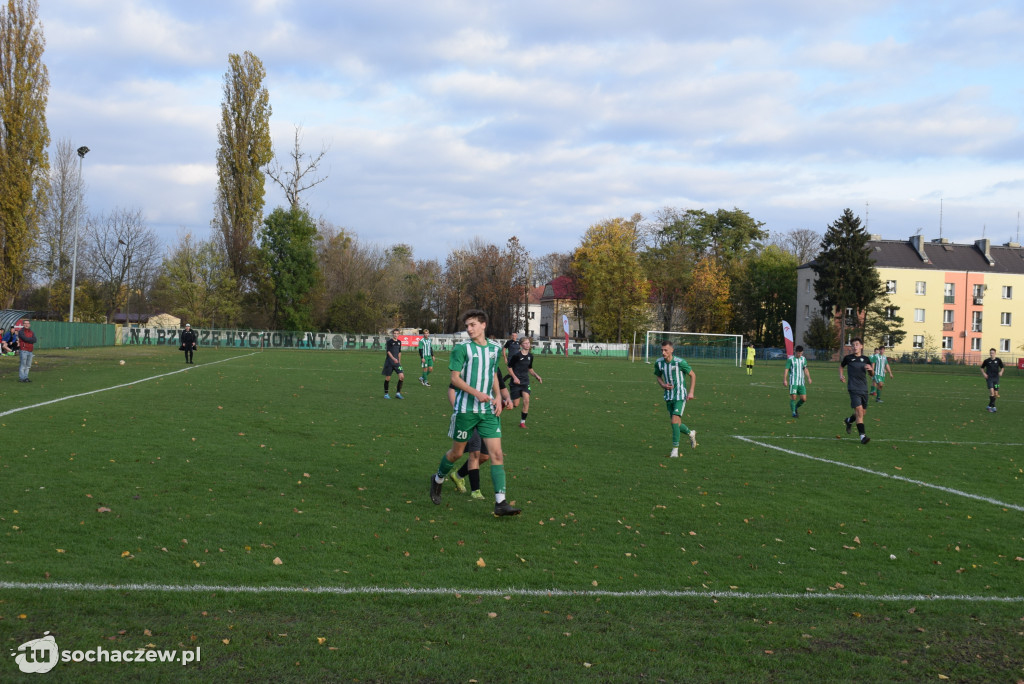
<point>948,490</point>
<point>540,593</point>
<point>127,384</point>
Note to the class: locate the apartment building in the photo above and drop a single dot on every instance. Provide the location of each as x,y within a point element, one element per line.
<point>955,299</point>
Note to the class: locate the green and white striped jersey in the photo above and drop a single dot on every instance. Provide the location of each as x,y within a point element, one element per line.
<point>879,361</point>
<point>477,365</point>
<point>797,365</point>
<point>426,347</point>
<point>673,372</point>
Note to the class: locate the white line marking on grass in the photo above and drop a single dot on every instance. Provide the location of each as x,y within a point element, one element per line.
<point>127,384</point>
<point>442,591</point>
<point>950,442</point>
<point>948,490</point>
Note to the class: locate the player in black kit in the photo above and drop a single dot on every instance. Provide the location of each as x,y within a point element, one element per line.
<point>992,369</point>
<point>520,368</point>
<point>859,366</point>
<point>393,363</point>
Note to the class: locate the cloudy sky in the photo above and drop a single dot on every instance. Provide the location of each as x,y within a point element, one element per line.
<point>451,119</point>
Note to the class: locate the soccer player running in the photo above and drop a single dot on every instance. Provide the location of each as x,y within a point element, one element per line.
<point>393,363</point>
<point>426,351</point>
<point>750,359</point>
<point>859,366</point>
<point>671,372</point>
<point>520,368</point>
<point>793,378</point>
<point>992,369</point>
<point>881,363</point>
<point>478,403</point>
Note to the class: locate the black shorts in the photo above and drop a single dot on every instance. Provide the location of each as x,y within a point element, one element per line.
<point>516,391</point>
<point>858,399</point>
<point>993,383</point>
<point>475,443</point>
<point>390,368</point>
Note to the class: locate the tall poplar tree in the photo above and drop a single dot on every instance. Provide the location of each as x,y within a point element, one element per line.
<point>244,150</point>
<point>847,277</point>
<point>24,137</point>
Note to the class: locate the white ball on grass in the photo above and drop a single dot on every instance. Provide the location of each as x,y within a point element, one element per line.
<point>121,362</point>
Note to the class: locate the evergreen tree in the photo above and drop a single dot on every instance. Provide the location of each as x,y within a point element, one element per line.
<point>290,259</point>
<point>847,278</point>
<point>883,324</point>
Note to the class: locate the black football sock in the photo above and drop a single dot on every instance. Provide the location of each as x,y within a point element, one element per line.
<point>474,479</point>
<point>860,428</point>
<point>399,388</point>
<point>386,383</point>
<point>523,418</point>
<point>464,469</point>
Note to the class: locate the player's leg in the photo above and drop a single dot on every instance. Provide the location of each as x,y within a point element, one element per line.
<point>458,430</point>
<point>878,389</point>
<point>792,404</point>
<point>859,411</point>
<point>490,432</point>
<point>387,381</point>
<point>398,390</point>
<point>526,408</point>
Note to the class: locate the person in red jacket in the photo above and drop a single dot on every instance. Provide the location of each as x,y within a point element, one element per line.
<point>26,341</point>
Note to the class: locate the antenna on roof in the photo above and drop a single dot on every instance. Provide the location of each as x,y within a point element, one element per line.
<point>940,218</point>
<point>918,231</point>
<point>867,215</point>
<point>1018,227</point>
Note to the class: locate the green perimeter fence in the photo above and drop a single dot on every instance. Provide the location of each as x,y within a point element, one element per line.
<point>59,335</point>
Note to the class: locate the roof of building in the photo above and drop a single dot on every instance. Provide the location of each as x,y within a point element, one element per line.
<point>536,293</point>
<point>561,287</point>
<point>941,255</point>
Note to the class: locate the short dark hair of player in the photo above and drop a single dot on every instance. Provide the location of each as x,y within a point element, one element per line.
<point>798,348</point>
<point>478,314</point>
<point>992,349</point>
<point>857,339</point>
<point>667,343</point>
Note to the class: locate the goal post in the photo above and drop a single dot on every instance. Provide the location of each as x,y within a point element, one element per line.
<point>695,346</point>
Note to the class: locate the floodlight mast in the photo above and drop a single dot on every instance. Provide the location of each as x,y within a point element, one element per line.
<point>82,151</point>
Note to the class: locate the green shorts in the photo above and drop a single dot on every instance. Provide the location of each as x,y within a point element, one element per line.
<point>675,407</point>
<point>487,424</point>
<point>798,389</point>
<point>427,362</point>
<point>879,379</point>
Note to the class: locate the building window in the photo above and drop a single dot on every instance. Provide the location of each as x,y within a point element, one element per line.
<point>886,340</point>
<point>918,341</point>
<point>947,343</point>
<point>807,312</point>
<point>920,287</point>
<point>1006,318</point>
<point>807,285</point>
<point>976,321</point>
<point>1007,291</point>
<point>890,287</point>
<point>890,312</point>
<point>979,290</point>
<point>975,344</point>
<point>947,316</point>
<point>919,315</point>
<point>1004,345</point>
<point>533,315</point>
<point>949,294</point>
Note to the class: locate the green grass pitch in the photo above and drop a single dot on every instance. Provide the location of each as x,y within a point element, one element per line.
<point>272,509</point>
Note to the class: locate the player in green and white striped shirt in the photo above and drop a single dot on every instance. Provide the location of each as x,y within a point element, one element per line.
<point>794,378</point>
<point>881,363</point>
<point>478,403</point>
<point>671,373</point>
<point>426,350</point>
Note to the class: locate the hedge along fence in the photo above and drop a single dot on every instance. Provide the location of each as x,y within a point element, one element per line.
<point>327,341</point>
<point>61,335</point>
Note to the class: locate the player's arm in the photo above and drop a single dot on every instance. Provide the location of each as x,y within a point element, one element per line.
<point>534,374</point>
<point>807,373</point>
<point>661,383</point>
<point>464,386</point>
<point>870,368</point>
<point>693,384</point>
<point>842,364</point>
<point>1001,368</point>
<point>785,376</point>
<point>496,399</point>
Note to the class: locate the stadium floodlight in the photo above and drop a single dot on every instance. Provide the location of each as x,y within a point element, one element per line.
<point>695,346</point>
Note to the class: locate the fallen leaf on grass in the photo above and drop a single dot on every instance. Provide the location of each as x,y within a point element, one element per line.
<point>278,561</point>
<point>480,563</point>
<point>103,509</point>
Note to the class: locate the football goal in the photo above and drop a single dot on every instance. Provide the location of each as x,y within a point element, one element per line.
<point>693,346</point>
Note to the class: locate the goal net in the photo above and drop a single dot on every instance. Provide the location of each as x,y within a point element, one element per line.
<point>694,346</point>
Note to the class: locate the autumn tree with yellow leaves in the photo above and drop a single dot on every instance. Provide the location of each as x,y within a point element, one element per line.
<point>611,280</point>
